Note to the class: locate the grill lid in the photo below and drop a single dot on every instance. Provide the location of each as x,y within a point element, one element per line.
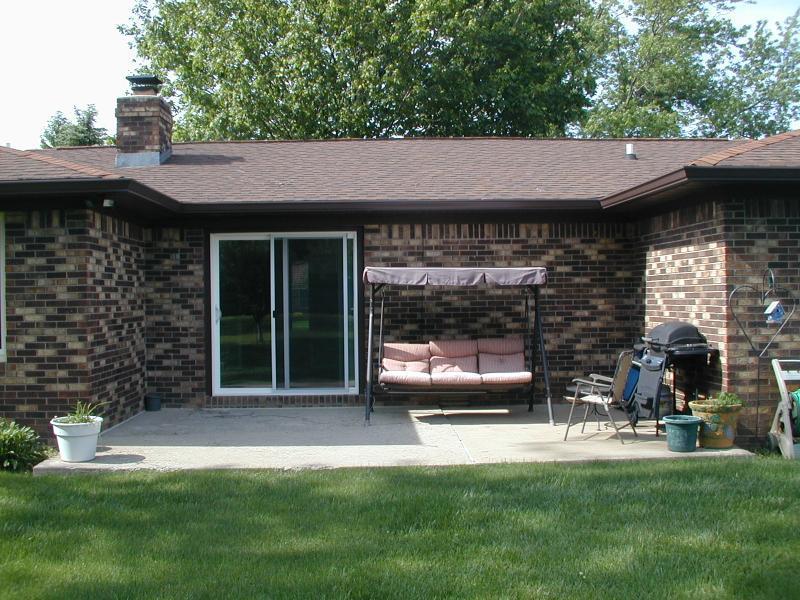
<point>675,333</point>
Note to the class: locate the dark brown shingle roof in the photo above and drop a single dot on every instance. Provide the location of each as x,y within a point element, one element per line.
<point>782,150</point>
<point>16,165</point>
<point>213,174</point>
<point>409,169</point>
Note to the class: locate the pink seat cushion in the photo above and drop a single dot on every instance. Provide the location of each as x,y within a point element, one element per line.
<point>507,378</point>
<point>501,363</point>
<point>507,345</point>
<point>455,378</point>
<point>417,366</point>
<point>463,364</point>
<point>454,348</point>
<point>405,378</point>
<point>406,352</point>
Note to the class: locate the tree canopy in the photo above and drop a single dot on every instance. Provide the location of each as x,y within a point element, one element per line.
<point>373,68</point>
<point>680,67</point>
<point>81,131</point>
<point>242,69</point>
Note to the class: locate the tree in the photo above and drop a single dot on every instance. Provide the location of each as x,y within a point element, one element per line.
<point>60,131</point>
<point>680,67</point>
<point>760,93</point>
<point>373,68</point>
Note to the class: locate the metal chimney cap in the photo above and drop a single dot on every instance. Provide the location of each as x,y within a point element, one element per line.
<point>144,84</point>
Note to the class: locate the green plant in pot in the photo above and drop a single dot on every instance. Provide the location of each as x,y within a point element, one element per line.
<point>77,432</point>
<point>720,416</point>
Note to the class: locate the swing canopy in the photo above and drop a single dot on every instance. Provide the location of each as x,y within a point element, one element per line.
<point>457,277</point>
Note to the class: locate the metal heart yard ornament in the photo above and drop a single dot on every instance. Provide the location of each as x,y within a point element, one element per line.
<point>787,305</point>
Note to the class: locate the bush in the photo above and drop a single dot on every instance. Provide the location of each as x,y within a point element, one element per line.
<point>20,447</point>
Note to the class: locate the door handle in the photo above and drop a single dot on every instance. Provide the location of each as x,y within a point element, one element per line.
<point>218,313</point>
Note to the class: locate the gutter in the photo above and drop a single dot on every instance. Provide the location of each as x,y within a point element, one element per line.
<point>654,186</point>
<point>369,207</point>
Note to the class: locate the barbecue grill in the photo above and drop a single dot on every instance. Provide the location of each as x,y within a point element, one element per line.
<point>671,345</point>
<point>677,340</point>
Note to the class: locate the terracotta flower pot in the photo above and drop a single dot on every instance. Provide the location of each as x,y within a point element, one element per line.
<point>719,423</point>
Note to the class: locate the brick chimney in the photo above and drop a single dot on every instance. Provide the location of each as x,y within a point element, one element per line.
<point>144,124</point>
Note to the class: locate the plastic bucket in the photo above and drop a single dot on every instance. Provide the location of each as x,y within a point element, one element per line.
<point>682,432</point>
<point>152,402</point>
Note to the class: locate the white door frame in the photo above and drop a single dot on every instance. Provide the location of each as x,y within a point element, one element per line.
<point>216,314</point>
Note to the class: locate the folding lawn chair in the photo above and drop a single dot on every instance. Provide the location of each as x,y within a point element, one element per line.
<point>598,391</point>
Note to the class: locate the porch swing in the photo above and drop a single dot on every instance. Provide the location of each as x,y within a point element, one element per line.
<point>457,367</point>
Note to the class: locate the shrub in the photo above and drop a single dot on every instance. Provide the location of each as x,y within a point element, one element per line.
<point>20,447</point>
<point>727,399</point>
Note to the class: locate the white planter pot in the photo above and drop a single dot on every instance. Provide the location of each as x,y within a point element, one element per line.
<point>77,442</point>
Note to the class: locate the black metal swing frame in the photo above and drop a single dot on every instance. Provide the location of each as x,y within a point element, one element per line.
<point>529,279</point>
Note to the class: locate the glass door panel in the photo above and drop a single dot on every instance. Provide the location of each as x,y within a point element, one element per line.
<point>315,279</point>
<point>245,354</point>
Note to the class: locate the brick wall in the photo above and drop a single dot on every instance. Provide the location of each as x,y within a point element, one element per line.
<point>684,254</point>
<point>74,316</point>
<point>695,257</point>
<point>176,318</point>
<point>101,310</point>
<point>591,306</point>
<point>46,274</point>
<point>763,230</point>
<point>114,315</point>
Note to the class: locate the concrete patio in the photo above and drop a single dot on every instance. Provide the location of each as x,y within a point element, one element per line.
<point>318,438</point>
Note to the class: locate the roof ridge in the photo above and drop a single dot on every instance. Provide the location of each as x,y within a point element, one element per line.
<point>450,139</point>
<point>81,168</point>
<point>713,159</point>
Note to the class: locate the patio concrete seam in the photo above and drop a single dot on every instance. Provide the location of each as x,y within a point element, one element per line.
<point>470,459</point>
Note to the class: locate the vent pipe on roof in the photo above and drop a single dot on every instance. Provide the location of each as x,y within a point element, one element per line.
<point>629,153</point>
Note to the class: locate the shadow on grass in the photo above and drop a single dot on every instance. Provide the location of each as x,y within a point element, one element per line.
<point>655,529</point>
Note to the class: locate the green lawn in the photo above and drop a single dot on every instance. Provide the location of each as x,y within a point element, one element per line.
<point>692,529</point>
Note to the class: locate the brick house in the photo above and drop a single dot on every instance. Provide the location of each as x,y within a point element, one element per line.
<point>228,273</point>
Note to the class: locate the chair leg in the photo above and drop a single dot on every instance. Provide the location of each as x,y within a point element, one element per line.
<point>596,416</point>
<point>633,428</point>
<point>585,416</point>
<point>614,423</point>
<point>569,420</point>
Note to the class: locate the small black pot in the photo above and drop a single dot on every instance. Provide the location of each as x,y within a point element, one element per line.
<point>152,402</point>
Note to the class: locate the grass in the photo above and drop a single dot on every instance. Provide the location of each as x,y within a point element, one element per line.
<point>678,529</point>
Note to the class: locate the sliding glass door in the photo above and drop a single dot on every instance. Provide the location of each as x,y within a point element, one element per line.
<point>284,313</point>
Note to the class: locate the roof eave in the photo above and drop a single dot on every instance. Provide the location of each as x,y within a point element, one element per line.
<point>644,190</point>
<point>132,196</point>
<point>722,173</point>
<point>693,174</point>
<point>376,207</point>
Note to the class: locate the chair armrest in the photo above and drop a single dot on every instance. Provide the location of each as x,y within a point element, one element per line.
<point>594,386</point>
<point>601,378</point>
<point>590,382</point>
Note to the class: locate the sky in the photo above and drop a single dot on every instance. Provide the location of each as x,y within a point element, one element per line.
<point>57,54</point>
